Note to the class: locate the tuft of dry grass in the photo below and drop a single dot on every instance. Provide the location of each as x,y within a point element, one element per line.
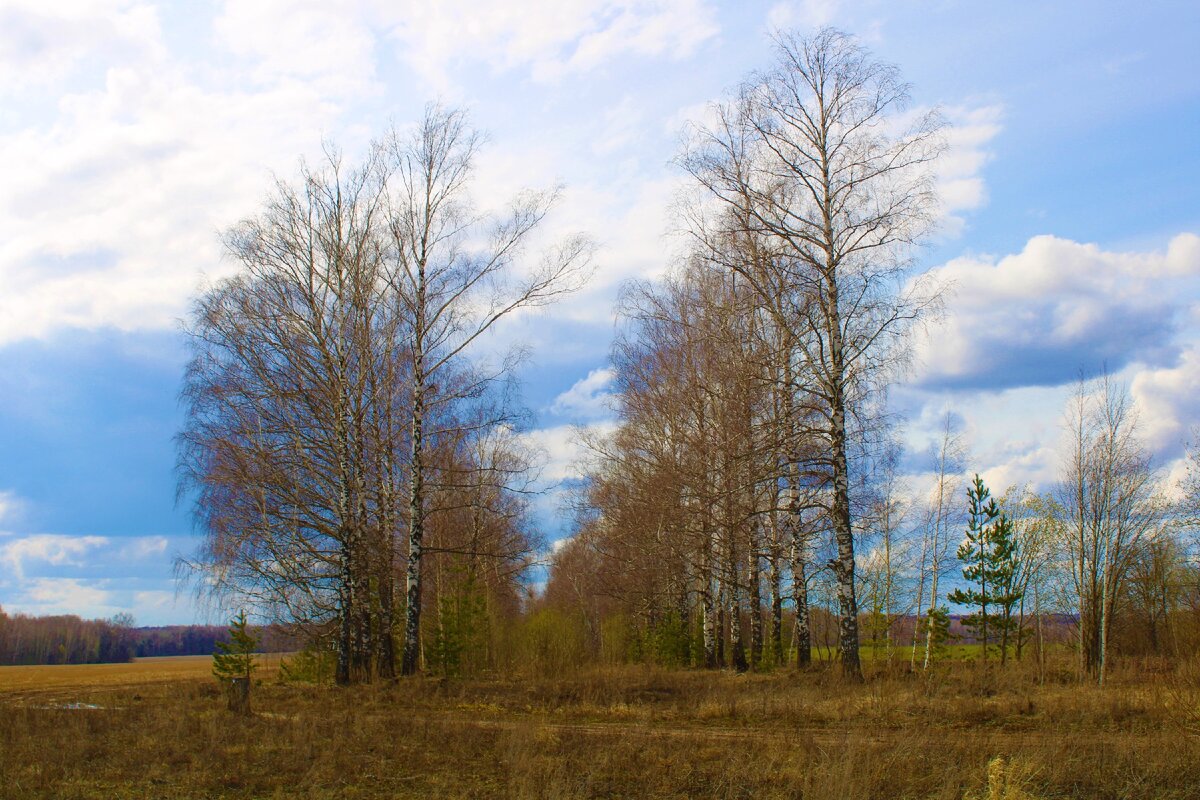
<point>1005,781</point>
<point>607,732</point>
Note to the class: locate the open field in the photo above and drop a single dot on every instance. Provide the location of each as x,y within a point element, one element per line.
<point>616,732</point>
<point>140,671</point>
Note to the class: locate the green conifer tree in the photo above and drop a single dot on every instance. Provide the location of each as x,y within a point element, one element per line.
<point>233,663</point>
<point>989,557</point>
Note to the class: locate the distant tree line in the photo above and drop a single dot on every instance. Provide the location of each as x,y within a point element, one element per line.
<point>68,639</point>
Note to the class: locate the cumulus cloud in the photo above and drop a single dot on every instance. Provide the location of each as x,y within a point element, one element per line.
<point>806,13</point>
<point>47,548</point>
<point>960,181</point>
<point>98,598</point>
<point>154,601</point>
<point>1168,402</point>
<point>115,191</point>
<point>329,44</point>
<point>10,506</point>
<point>62,574</point>
<point>109,212</point>
<point>587,397</point>
<point>41,43</point>
<point>1036,318</point>
<point>144,547</point>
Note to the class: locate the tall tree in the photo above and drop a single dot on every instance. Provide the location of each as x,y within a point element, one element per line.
<point>1107,506</point>
<point>281,413</point>
<point>455,273</point>
<point>936,538</point>
<point>814,156</point>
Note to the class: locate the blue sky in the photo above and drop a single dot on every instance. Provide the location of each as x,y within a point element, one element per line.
<point>131,133</point>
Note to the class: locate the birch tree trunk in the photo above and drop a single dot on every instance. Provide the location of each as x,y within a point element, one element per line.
<point>756,621</point>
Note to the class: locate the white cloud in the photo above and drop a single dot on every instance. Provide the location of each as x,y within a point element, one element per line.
<point>65,596</point>
<point>329,44</point>
<point>144,547</point>
<point>805,13</point>
<point>1038,317</point>
<point>109,213</point>
<point>156,604</point>
<point>698,114</point>
<point>99,598</point>
<point>564,450</point>
<point>10,506</point>
<point>960,180</point>
<point>41,43</point>
<point>115,192</point>
<point>587,397</point>
<point>58,574</point>
<point>549,37</point>
<point>620,127</point>
<point>1168,402</point>
<point>47,548</point>
<point>1010,436</point>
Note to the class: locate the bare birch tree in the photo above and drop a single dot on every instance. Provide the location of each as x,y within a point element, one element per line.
<point>935,543</point>
<point>284,423</point>
<point>455,271</point>
<point>1108,506</point>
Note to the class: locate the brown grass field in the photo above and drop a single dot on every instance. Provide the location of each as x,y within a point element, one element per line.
<point>158,728</point>
<point>141,671</point>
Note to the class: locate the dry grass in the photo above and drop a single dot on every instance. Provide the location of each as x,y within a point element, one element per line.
<point>619,732</point>
<point>138,672</point>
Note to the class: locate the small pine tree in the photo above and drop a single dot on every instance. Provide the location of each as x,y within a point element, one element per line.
<point>233,662</point>
<point>989,556</point>
<point>460,642</point>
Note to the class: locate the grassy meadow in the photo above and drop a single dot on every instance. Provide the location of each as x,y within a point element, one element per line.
<point>159,729</point>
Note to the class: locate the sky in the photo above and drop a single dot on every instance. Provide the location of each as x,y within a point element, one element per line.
<point>133,133</point>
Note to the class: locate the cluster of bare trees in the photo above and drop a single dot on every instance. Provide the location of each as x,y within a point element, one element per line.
<point>337,434</point>
<point>753,469</point>
<point>1108,513</point>
<point>788,321</point>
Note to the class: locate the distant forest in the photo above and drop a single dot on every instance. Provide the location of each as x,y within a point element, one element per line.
<point>71,640</point>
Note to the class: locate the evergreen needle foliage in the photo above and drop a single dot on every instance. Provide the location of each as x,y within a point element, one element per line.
<point>235,658</point>
<point>939,630</point>
<point>990,560</point>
